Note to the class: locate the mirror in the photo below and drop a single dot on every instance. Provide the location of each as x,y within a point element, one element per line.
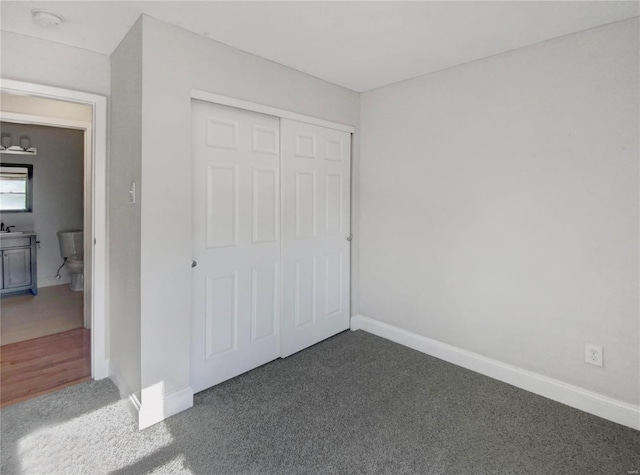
<point>16,188</point>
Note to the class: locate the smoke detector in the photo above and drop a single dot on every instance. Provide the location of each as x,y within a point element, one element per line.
<point>46,18</point>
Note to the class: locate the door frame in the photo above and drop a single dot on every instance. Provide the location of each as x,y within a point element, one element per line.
<point>95,202</point>
<point>86,127</point>
<point>268,110</point>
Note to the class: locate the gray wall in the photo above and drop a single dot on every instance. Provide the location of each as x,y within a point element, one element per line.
<point>176,61</point>
<point>29,59</point>
<point>58,194</point>
<point>499,207</point>
<point>124,217</point>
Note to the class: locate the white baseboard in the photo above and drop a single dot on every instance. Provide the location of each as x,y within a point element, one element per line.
<point>101,368</point>
<point>574,396</point>
<point>116,376</point>
<point>151,405</point>
<point>156,407</point>
<point>50,282</point>
<point>133,402</point>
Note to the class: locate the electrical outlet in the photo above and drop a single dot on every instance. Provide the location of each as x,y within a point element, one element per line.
<point>593,354</point>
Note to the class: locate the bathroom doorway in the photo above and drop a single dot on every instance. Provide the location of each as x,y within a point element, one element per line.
<point>63,320</point>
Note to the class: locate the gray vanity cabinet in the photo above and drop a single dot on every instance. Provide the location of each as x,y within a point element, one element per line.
<point>19,270</point>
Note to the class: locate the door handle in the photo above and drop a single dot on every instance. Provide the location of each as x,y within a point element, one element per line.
<point>350,237</point>
<point>194,263</point>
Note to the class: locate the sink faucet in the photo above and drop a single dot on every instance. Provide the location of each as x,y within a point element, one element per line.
<point>8,228</point>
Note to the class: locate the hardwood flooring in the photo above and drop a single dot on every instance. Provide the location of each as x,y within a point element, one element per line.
<point>55,309</point>
<point>42,365</point>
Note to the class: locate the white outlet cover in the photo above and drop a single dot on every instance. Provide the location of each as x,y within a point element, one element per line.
<point>593,354</point>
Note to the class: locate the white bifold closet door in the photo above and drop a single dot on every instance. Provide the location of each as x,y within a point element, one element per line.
<point>264,287</point>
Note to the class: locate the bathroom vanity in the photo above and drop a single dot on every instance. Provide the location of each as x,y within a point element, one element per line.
<point>19,258</point>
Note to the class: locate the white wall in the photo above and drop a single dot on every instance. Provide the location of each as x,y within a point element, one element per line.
<point>57,191</point>
<point>29,59</point>
<point>124,217</point>
<point>500,205</point>
<point>174,62</point>
<point>42,62</point>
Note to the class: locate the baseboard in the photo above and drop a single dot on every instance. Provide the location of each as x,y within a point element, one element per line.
<point>133,402</point>
<point>156,407</point>
<point>46,282</point>
<point>100,367</point>
<point>574,396</point>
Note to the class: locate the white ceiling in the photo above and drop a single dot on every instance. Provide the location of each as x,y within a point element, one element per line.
<point>358,45</point>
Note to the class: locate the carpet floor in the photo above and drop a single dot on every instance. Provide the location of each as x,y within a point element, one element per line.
<point>354,403</point>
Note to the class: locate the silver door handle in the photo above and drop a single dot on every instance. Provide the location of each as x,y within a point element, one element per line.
<point>350,237</point>
<point>194,263</point>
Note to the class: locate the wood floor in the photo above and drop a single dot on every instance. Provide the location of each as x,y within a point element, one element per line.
<point>44,345</point>
<point>34,367</point>
<point>55,309</point>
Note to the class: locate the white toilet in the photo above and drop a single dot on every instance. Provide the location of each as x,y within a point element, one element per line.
<point>72,248</point>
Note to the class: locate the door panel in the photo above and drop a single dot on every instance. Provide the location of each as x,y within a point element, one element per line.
<point>305,291</point>
<point>305,203</point>
<point>17,267</point>
<point>236,242</point>
<point>266,192</point>
<point>315,251</point>
<point>333,281</point>
<point>221,314</point>
<point>334,204</point>
<point>222,206</point>
<point>264,301</point>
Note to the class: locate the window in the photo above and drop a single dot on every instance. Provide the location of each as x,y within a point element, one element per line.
<point>15,187</point>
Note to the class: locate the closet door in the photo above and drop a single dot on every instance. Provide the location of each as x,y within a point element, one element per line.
<point>236,242</point>
<point>315,234</point>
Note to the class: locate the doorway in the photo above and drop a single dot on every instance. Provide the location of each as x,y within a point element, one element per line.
<point>41,108</point>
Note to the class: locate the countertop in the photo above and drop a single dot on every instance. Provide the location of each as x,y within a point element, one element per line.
<point>17,234</point>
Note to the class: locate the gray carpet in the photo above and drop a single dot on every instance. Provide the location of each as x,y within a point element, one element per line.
<point>355,403</point>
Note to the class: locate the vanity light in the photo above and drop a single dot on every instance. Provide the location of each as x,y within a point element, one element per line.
<point>24,148</point>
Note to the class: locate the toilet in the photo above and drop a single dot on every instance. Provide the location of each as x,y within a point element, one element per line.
<point>72,248</point>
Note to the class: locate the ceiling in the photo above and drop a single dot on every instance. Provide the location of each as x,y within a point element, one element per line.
<point>358,45</point>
